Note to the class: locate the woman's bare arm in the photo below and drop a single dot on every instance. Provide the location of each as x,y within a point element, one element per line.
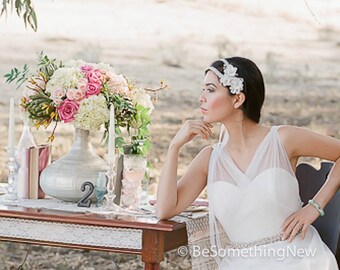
<point>173,197</point>
<point>306,143</point>
<point>300,142</point>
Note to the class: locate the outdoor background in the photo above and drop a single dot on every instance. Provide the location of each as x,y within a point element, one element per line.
<point>297,48</point>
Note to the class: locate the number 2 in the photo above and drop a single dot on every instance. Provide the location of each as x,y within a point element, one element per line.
<point>85,201</point>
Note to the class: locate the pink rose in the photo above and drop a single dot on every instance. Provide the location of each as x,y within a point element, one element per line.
<point>82,87</point>
<point>67,110</point>
<point>75,94</point>
<point>86,68</point>
<point>78,95</point>
<point>94,76</point>
<point>118,84</point>
<point>92,89</point>
<point>58,93</point>
<point>70,94</point>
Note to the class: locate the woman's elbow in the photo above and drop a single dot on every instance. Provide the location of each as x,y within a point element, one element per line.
<point>162,214</point>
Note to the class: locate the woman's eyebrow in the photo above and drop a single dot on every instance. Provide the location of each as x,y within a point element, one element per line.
<point>207,84</point>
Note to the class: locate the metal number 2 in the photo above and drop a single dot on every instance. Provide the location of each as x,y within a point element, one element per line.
<point>85,201</point>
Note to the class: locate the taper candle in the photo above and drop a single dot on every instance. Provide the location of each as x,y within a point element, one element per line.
<point>112,135</point>
<point>11,134</point>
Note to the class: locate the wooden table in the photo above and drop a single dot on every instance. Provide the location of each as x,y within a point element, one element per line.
<point>146,236</point>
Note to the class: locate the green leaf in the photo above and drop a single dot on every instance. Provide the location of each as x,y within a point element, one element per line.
<point>119,141</point>
<point>20,76</point>
<point>18,6</point>
<point>33,20</point>
<point>4,7</point>
<point>25,7</point>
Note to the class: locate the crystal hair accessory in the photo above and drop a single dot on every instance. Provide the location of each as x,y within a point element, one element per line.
<point>229,77</point>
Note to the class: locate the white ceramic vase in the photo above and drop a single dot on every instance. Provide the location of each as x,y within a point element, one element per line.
<point>64,177</point>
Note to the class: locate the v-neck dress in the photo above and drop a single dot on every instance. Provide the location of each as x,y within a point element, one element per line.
<point>251,206</point>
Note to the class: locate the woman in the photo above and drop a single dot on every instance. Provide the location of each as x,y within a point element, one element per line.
<point>250,176</point>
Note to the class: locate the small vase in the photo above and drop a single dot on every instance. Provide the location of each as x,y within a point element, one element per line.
<point>145,189</point>
<point>25,142</point>
<point>64,177</point>
<point>134,168</point>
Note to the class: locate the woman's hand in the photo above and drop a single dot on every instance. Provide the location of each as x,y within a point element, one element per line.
<point>190,129</point>
<point>299,222</point>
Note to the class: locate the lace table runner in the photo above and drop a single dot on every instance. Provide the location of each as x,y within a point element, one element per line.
<point>197,226</point>
<point>198,239</point>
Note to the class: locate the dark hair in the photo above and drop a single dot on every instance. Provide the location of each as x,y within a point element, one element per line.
<point>253,85</point>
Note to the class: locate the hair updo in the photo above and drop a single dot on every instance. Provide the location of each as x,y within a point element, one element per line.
<point>253,85</point>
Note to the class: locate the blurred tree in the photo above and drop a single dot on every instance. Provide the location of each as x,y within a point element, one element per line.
<point>23,8</point>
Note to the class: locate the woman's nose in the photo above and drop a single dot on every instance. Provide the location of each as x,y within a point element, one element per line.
<point>202,98</point>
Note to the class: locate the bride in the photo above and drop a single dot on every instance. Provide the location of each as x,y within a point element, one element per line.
<point>250,177</point>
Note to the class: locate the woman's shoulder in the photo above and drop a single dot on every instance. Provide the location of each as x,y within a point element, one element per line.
<point>207,150</point>
<point>202,159</point>
<point>286,134</point>
<point>205,153</point>
<point>301,141</point>
<point>286,131</point>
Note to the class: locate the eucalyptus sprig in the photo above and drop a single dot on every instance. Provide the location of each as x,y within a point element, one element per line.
<point>46,68</point>
<point>24,8</point>
<point>20,76</point>
<point>39,106</point>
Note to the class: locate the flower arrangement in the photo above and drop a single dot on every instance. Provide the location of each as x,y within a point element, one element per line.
<point>81,93</point>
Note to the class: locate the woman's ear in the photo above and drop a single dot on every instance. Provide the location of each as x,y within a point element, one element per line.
<point>239,100</point>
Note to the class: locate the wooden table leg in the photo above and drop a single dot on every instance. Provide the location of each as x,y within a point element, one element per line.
<point>152,266</point>
<point>152,249</point>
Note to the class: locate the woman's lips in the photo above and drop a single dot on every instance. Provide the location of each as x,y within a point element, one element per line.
<point>203,110</point>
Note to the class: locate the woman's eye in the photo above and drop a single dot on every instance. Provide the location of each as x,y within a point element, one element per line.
<point>208,90</point>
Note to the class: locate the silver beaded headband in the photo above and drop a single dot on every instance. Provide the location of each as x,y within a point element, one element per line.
<point>228,78</point>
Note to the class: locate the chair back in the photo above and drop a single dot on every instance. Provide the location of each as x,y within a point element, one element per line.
<point>310,181</point>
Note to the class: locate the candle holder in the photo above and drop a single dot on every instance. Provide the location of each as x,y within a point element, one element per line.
<point>11,195</point>
<point>134,171</point>
<point>110,195</point>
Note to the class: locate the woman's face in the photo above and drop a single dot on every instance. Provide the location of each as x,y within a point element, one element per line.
<point>216,103</point>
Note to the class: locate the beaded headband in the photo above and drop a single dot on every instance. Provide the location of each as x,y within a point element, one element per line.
<point>228,78</point>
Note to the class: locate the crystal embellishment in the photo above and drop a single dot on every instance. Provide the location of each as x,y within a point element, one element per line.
<point>262,241</point>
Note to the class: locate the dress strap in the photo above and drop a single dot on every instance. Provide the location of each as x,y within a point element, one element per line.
<point>275,127</point>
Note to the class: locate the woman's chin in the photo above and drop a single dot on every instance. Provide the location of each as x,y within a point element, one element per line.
<point>210,120</point>
<point>206,118</point>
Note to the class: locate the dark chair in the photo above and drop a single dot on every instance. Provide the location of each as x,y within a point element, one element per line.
<point>310,181</point>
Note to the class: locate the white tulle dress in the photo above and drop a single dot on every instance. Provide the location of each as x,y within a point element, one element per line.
<point>250,207</point>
